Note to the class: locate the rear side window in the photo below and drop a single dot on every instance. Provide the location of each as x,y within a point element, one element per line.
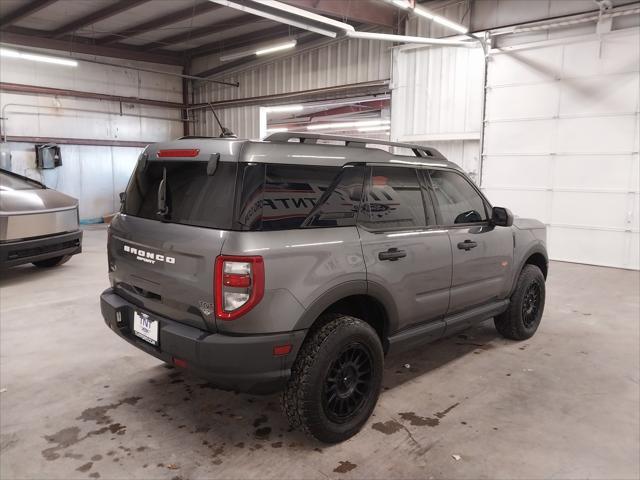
<point>394,199</point>
<point>457,200</point>
<point>193,197</point>
<point>339,205</point>
<point>287,197</point>
<point>291,192</point>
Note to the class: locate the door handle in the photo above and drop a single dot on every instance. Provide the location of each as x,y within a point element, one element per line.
<point>467,245</point>
<point>392,254</point>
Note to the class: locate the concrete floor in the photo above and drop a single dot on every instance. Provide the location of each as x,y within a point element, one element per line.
<point>81,403</point>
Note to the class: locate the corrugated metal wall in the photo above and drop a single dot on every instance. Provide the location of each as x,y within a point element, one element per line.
<point>436,99</point>
<point>338,63</point>
<point>93,174</point>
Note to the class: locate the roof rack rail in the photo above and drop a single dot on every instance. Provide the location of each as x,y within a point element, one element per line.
<point>358,142</point>
<point>186,137</point>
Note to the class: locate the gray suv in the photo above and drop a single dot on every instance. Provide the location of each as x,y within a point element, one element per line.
<point>297,263</point>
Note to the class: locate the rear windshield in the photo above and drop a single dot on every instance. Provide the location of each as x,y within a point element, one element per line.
<point>192,196</point>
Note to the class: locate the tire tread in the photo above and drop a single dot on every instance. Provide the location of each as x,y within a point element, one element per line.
<point>292,399</point>
<point>508,322</point>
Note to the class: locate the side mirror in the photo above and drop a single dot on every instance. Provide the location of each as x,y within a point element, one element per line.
<point>123,197</point>
<point>502,217</point>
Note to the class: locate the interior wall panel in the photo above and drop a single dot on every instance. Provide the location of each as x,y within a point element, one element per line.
<point>93,174</point>
<point>437,100</point>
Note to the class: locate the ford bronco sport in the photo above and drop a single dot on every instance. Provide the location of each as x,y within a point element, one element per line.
<point>296,265</point>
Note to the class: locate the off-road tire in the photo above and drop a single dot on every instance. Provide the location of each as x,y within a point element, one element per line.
<point>52,262</point>
<point>303,401</point>
<point>512,323</point>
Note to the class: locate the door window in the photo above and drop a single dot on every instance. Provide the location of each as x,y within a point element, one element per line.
<point>457,201</point>
<point>394,200</point>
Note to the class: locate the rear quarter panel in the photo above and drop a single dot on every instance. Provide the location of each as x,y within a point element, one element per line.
<point>300,266</point>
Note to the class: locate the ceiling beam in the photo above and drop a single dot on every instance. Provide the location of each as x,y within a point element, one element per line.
<point>369,13</point>
<point>95,17</point>
<point>163,21</point>
<point>217,27</point>
<point>366,107</point>
<point>375,87</point>
<point>29,37</point>
<point>63,92</point>
<point>240,41</point>
<point>24,11</point>
<point>79,141</point>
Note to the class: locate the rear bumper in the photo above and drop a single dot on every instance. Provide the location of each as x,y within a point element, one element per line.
<point>241,363</point>
<point>27,251</point>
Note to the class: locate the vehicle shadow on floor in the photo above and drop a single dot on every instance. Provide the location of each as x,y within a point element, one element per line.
<point>217,421</point>
<point>24,273</point>
<point>407,366</point>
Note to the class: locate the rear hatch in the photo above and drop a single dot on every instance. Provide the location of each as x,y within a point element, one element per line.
<point>162,252</point>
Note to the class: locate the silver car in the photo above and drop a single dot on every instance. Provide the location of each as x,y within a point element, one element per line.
<point>297,266</point>
<point>37,224</point>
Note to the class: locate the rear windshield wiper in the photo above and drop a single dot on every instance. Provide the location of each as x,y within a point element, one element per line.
<point>163,209</point>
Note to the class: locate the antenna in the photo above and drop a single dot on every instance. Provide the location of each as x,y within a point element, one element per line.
<point>226,133</point>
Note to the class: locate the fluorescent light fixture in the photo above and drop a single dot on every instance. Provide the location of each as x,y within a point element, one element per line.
<point>277,129</point>
<point>6,52</point>
<point>343,125</point>
<point>260,51</point>
<point>285,108</point>
<point>423,12</point>
<point>236,55</point>
<point>288,8</point>
<point>381,128</point>
<point>388,37</point>
<point>400,3</point>
<point>281,18</point>
<point>277,48</point>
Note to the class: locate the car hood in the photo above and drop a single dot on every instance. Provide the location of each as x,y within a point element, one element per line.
<point>527,223</point>
<point>20,202</point>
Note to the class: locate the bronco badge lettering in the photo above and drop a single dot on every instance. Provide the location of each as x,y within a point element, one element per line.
<point>148,257</point>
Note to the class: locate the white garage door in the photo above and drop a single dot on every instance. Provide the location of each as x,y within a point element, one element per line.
<point>561,143</point>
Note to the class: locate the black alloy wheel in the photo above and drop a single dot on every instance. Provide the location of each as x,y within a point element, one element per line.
<point>348,383</point>
<point>531,305</point>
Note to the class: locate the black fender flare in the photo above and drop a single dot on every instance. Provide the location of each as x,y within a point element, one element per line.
<point>536,248</point>
<point>347,289</point>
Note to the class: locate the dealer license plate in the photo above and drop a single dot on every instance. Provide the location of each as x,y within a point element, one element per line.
<point>145,328</point>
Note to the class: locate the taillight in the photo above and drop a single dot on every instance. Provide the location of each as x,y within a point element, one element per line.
<point>238,285</point>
